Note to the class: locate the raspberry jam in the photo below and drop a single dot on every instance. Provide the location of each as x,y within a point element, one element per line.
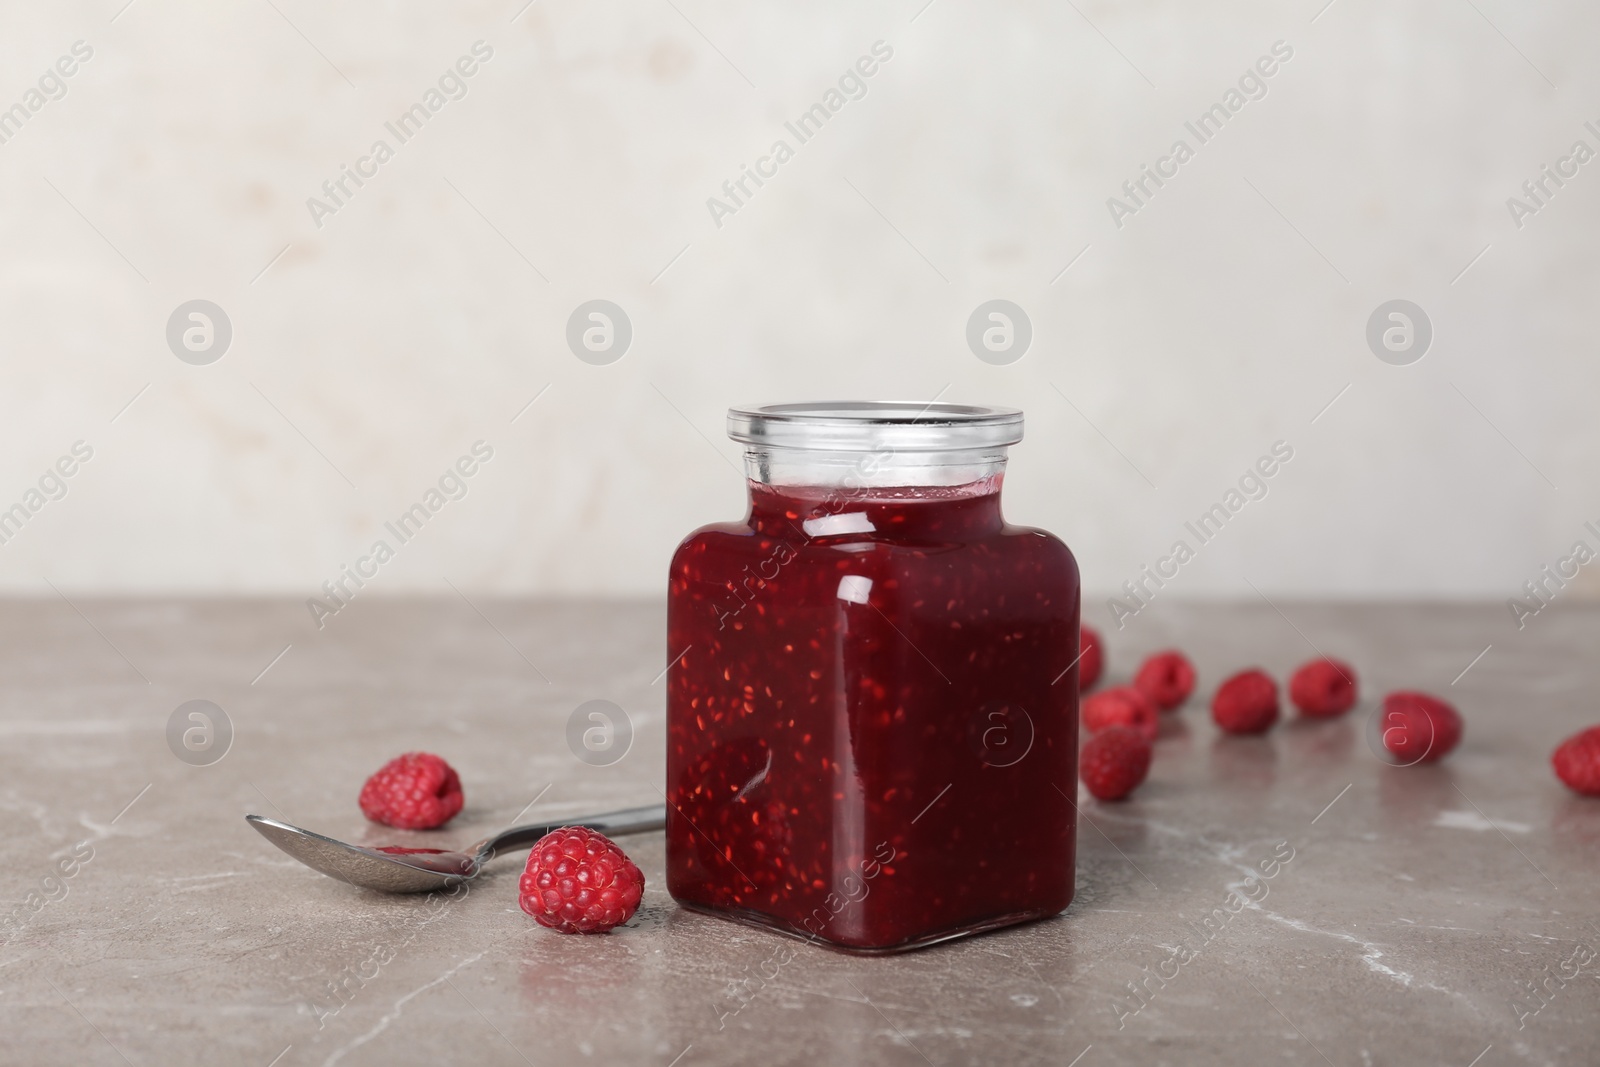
<point>872,728</point>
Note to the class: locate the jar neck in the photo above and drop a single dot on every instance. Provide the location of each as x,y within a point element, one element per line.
<point>909,512</point>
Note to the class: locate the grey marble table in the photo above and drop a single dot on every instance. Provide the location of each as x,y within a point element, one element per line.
<point>1425,915</point>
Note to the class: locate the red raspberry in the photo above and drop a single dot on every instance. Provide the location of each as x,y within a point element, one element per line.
<point>416,791</point>
<point>1247,703</point>
<point>578,882</point>
<point>1167,678</point>
<point>1577,761</point>
<point>1323,688</point>
<point>1419,728</point>
<point>1114,762</point>
<point>1122,706</point>
<point>1091,658</point>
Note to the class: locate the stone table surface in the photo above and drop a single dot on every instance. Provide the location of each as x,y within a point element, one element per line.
<point>1429,915</point>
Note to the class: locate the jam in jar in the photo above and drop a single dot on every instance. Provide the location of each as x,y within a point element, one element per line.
<point>872,711</point>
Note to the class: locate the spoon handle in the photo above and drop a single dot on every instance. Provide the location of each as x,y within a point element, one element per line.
<point>627,821</point>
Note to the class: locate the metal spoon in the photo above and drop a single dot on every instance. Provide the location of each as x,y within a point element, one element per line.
<point>400,870</point>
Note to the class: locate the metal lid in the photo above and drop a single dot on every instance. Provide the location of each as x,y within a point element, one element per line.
<point>876,425</point>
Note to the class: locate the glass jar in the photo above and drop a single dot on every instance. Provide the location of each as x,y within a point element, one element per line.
<point>872,713</point>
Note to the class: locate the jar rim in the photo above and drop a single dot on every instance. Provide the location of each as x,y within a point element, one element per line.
<point>876,425</point>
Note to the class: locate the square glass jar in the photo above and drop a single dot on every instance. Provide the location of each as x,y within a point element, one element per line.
<point>872,720</point>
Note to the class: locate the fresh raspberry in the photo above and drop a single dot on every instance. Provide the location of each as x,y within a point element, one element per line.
<point>416,791</point>
<point>1419,728</point>
<point>1167,678</point>
<point>1122,706</point>
<point>1577,761</point>
<point>1323,688</point>
<point>1114,762</point>
<point>1091,658</point>
<point>578,882</point>
<point>1247,703</point>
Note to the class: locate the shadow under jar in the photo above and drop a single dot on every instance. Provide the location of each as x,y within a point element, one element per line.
<point>872,725</point>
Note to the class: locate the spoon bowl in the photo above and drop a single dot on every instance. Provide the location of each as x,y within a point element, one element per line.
<point>392,869</point>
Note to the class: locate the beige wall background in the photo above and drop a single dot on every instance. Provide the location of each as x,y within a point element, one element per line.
<point>371,351</point>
